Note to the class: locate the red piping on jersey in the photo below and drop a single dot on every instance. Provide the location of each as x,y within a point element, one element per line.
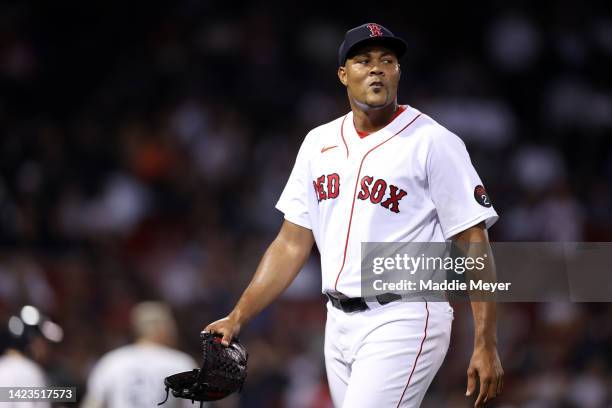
<point>342,134</point>
<point>416,359</point>
<point>348,232</point>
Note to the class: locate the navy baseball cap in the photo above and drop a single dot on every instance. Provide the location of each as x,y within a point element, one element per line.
<point>370,32</point>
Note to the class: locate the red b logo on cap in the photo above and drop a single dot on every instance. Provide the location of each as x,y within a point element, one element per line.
<point>375,30</point>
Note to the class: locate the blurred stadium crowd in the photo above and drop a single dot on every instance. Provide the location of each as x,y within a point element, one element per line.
<point>142,150</point>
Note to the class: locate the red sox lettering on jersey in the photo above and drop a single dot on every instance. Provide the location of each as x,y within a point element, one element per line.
<point>379,188</point>
<point>411,181</point>
<point>328,187</point>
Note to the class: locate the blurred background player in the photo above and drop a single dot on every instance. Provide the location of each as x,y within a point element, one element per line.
<point>133,375</point>
<point>17,368</point>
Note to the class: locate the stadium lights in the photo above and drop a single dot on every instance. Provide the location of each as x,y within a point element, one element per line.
<point>15,326</point>
<point>30,315</point>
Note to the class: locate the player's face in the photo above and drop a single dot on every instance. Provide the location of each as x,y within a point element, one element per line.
<point>371,76</point>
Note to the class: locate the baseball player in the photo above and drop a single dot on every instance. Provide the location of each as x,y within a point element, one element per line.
<point>381,173</point>
<point>132,376</point>
<point>17,368</point>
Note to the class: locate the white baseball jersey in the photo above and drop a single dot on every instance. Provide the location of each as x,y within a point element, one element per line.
<point>16,370</point>
<point>411,181</point>
<point>133,376</point>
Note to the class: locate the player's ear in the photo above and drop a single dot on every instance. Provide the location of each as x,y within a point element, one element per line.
<point>342,75</point>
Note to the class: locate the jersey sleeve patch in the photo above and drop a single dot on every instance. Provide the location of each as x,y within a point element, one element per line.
<point>481,196</point>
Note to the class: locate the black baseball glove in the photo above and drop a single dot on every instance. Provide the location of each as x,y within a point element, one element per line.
<point>223,372</point>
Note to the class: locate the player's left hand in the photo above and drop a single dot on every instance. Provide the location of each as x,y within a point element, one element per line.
<point>486,367</point>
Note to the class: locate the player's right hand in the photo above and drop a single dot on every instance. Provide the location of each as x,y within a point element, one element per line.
<point>228,327</point>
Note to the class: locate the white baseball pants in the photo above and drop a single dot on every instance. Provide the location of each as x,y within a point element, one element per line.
<point>385,356</point>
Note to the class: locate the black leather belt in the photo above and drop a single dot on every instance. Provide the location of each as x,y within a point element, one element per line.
<point>349,305</point>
